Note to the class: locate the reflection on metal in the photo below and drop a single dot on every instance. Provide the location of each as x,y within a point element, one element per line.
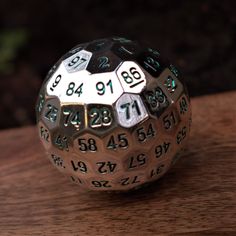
<point>111,122</point>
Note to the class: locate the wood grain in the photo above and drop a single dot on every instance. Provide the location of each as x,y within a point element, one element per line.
<point>196,197</point>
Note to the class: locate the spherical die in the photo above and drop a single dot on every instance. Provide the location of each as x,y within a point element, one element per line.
<point>112,114</point>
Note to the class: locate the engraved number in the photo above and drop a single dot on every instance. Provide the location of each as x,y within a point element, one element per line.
<point>154,65</point>
<point>106,167</point>
<point>144,135</point>
<point>156,98</point>
<point>183,105</point>
<point>71,117</point>
<point>76,60</point>
<point>101,184</point>
<point>181,135</point>
<point>157,171</point>
<point>62,142</point>
<point>100,117</point>
<point>127,106</point>
<point>44,133</point>
<point>55,83</point>
<point>79,166</point>
<point>131,77</point>
<point>71,89</point>
<point>87,145</point>
<point>170,84</point>
<point>104,62</point>
<point>40,102</point>
<point>58,161</point>
<point>129,180</point>
<point>51,113</point>
<point>101,87</point>
<point>119,141</point>
<point>169,120</point>
<point>76,179</point>
<point>137,161</point>
<point>162,149</point>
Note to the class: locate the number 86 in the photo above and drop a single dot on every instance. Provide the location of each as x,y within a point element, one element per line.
<point>128,78</point>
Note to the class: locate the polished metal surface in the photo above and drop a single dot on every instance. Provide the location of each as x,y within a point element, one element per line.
<point>113,115</point>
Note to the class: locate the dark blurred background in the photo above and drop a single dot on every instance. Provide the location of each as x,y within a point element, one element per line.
<point>199,37</point>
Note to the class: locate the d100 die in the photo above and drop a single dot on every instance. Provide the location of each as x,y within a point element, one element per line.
<point>113,114</point>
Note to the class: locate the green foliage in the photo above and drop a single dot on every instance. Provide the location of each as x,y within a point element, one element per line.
<point>10,42</point>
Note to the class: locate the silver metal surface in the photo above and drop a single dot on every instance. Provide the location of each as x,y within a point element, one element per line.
<point>112,119</point>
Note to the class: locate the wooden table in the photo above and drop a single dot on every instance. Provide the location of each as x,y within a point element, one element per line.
<point>197,197</point>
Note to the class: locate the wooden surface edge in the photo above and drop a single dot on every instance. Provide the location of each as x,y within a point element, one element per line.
<point>196,197</point>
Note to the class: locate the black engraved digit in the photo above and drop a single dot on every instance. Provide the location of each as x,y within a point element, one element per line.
<point>55,83</point>
<point>103,62</point>
<point>125,181</point>
<point>95,120</point>
<point>106,167</point>
<point>100,184</point>
<point>44,133</point>
<point>92,145</point>
<point>74,61</point>
<point>183,105</point>
<point>137,161</point>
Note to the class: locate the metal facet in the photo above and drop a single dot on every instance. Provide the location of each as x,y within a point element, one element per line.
<point>113,115</point>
